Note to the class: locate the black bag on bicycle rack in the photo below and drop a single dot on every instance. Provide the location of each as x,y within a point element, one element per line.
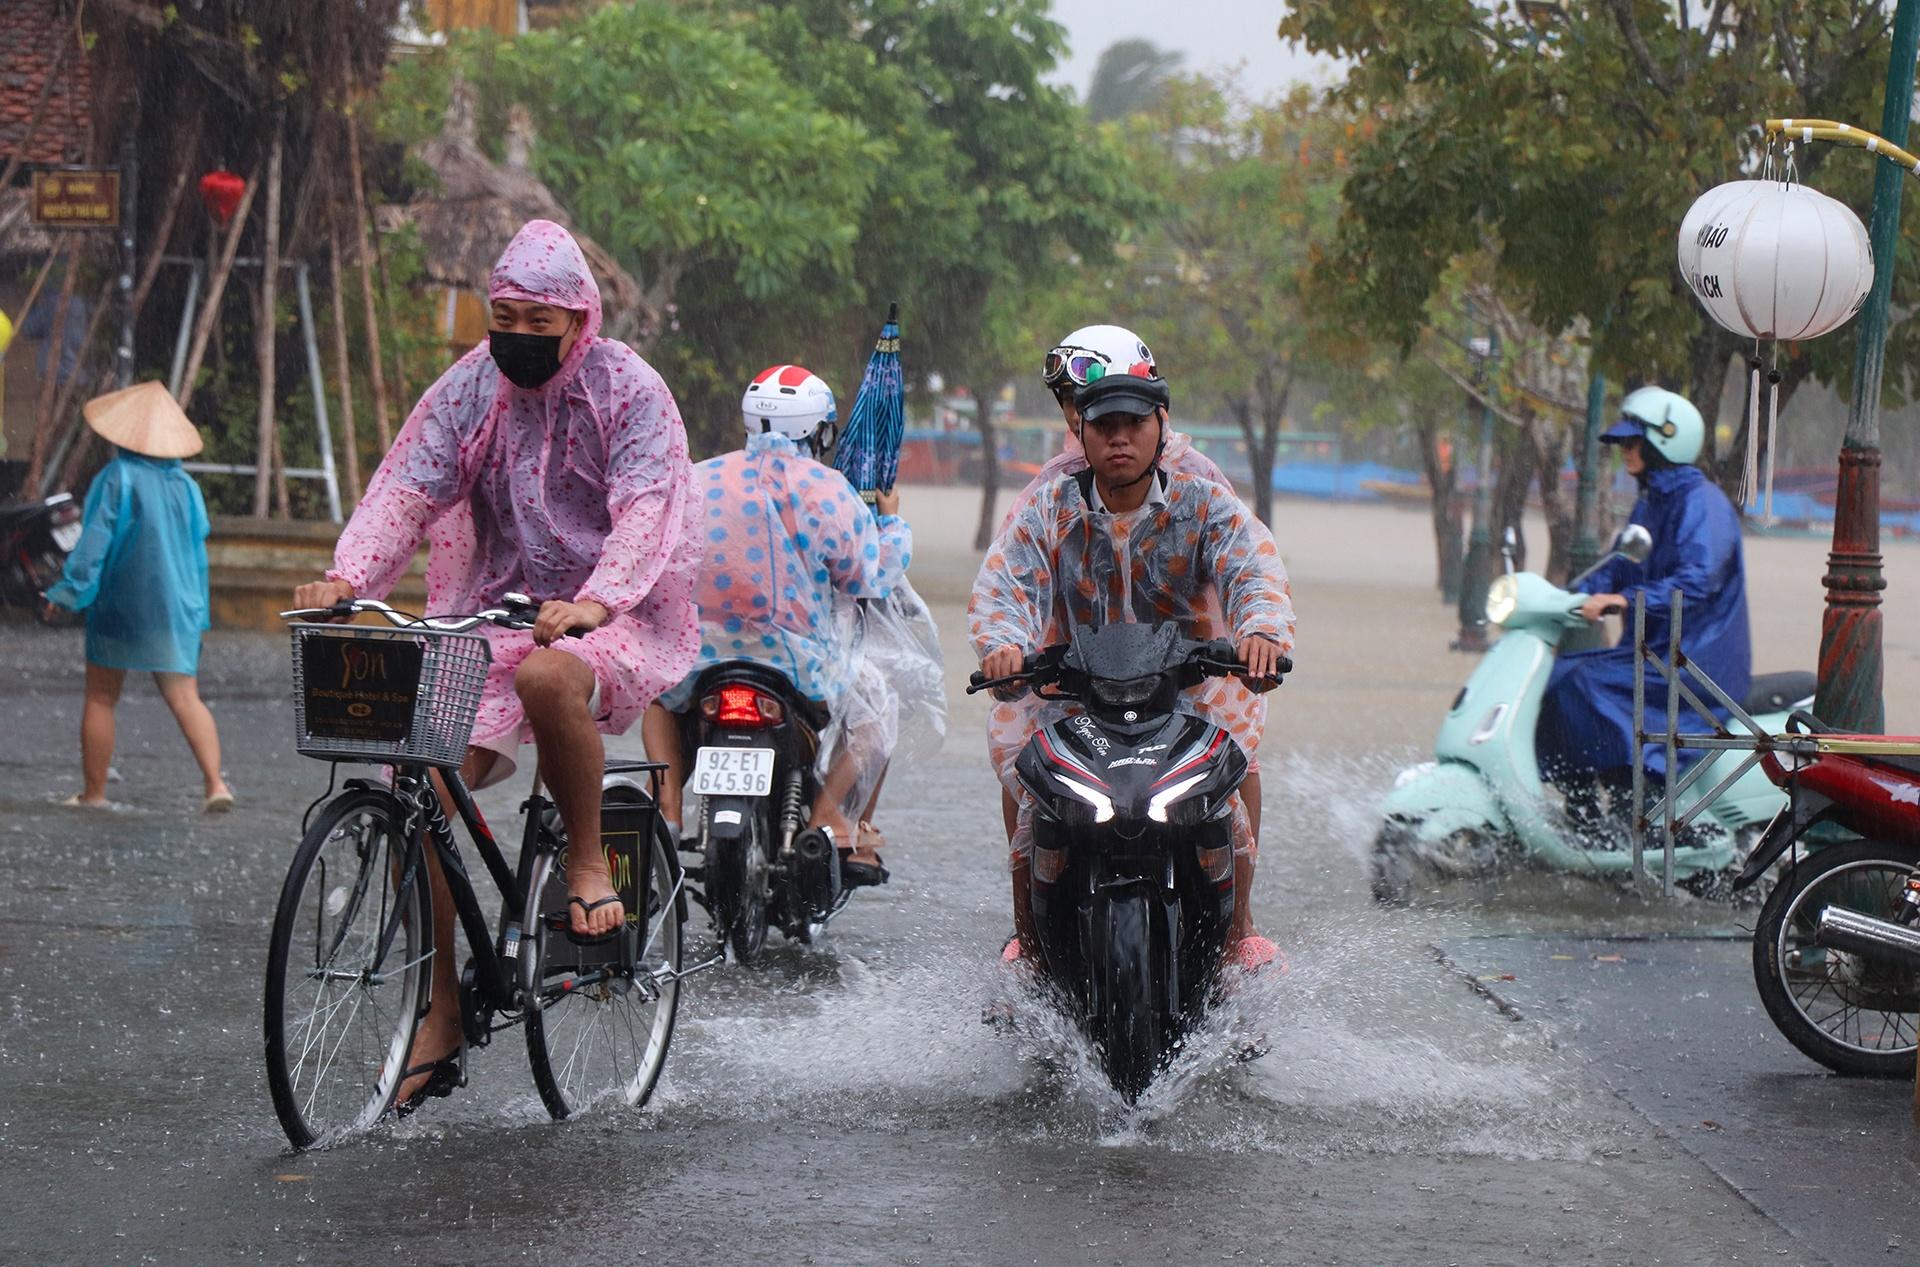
<point>626,832</point>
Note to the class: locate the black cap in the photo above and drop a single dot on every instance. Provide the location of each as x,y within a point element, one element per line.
<point>1121,394</point>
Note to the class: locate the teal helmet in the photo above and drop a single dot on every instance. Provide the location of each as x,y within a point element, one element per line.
<point>1666,420</point>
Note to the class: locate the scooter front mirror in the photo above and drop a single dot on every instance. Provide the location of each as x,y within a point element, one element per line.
<point>1634,542</point>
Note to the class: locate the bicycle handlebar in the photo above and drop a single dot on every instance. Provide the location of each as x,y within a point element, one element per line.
<point>518,614</point>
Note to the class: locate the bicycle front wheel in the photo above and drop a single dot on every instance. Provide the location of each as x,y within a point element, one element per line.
<point>601,1034</point>
<point>347,971</point>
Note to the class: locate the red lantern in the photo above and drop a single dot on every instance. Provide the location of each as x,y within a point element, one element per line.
<point>220,192</point>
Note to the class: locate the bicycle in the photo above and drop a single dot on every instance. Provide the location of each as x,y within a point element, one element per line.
<point>349,969</point>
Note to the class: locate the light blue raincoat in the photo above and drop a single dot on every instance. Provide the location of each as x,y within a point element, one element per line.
<point>140,569</point>
<point>788,543</point>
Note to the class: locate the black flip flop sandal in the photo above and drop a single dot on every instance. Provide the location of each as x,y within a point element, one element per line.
<point>588,908</point>
<point>855,875</point>
<point>443,1077</point>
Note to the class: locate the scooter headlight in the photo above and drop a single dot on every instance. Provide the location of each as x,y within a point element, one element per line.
<point>1101,802</point>
<point>1503,596</point>
<point>1157,807</point>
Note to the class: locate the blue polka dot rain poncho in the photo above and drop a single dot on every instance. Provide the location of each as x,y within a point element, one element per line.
<point>788,543</point>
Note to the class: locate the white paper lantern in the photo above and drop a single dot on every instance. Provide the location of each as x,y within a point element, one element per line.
<point>1775,261</point>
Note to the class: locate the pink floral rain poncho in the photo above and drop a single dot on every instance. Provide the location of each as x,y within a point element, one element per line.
<point>577,490</point>
<point>1199,558</point>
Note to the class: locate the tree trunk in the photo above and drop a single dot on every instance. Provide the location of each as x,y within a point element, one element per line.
<point>1444,508</point>
<point>56,339</point>
<point>381,430</point>
<point>157,251</point>
<point>349,441</point>
<point>1510,490</point>
<point>264,332</point>
<point>989,525</point>
<point>1273,411</point>
<point>216,288</point>
<point>1549,448</point>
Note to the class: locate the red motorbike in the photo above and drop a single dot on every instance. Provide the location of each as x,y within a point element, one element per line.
<point>1836,952</point>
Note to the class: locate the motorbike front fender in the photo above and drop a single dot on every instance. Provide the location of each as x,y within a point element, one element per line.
<point>1440,798</point>
<point>728,816</point>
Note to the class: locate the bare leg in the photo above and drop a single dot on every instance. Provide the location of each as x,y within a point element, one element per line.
<point>438,1035</point>
<point>1010,811</point>
<point>1241,925</point>
<point>181,691</point>
<point>1023,925</point>
<point>554,688</point>
<point>97,731</point>
<point>660,732</point>
<point>827,806</point>
<point>1250,797</point>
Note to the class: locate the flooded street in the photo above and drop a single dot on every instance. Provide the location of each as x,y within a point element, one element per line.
<point>845,1104</point>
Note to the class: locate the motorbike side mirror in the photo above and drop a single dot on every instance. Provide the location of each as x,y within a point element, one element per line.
<point>1634,542</point>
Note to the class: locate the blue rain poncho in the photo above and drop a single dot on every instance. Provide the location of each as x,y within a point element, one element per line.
<point>789,545</point>
<point>1586,719</point>
<point>140,569</point>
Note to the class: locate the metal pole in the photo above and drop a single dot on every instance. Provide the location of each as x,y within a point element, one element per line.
<point>1673,728</point>
<point>1476,571</point>
<point>320,421</point>
<point>179,370</point>
<point>129,205</point>
<point>1639,737</point>
<point>1851,663</point>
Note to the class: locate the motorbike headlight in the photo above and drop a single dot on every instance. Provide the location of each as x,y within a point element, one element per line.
<point>1503,596</point>
<point>1130,693</point>
<point>1157,807</point>
<point>1101,802</point>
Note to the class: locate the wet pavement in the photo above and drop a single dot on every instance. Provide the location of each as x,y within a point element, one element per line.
<point>844,1104</point>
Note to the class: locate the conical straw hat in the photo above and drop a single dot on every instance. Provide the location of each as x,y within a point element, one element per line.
<point>145,419</point>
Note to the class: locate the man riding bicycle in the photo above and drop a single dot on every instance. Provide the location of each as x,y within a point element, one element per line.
<point>789,548</point>
<point>1126,540</point>
<point>549,462</point>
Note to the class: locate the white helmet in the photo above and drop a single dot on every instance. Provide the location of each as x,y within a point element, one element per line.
<point>789,400</point>
<point>1116,349</point>
<point>1666,420</point>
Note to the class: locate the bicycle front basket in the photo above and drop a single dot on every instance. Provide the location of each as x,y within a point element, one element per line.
<point>386,696</point>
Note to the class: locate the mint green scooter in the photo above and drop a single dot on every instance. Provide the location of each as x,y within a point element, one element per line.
<point>1481,805</point>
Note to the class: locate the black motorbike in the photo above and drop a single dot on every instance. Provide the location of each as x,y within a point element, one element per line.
<point>35,538</point>
<point>755,741</point>
<point>1133,881</point>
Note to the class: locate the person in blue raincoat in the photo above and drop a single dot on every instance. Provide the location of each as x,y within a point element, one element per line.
<point>790,547</point>
<point>1586,719</point>
<point>139,573</point>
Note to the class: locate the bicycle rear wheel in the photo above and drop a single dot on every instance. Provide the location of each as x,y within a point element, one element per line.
<point>340,1013</point>
<point>602,1034</point>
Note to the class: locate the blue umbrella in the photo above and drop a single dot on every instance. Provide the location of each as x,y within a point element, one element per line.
<point>869,450</point>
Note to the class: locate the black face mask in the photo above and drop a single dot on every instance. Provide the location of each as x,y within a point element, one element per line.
<point>528,360</point>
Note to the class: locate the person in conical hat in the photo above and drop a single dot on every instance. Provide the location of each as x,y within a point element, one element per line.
<point>139,573</point>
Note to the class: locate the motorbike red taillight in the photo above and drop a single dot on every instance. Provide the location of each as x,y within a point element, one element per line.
<point>741,706</point>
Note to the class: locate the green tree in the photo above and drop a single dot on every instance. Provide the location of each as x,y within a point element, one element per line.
<point>1570,140</point>
<point>1131,77</point>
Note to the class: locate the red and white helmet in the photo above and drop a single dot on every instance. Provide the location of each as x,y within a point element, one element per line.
<point>788,400</point>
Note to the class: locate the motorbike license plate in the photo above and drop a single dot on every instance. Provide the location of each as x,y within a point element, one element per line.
<point>733,772</point>
<point>66,536</point>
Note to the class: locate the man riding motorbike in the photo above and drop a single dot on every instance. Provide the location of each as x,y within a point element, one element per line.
<point>548,462</point>
<point>1586,718</point>
<point>1065,371</point>
<point>1127,540</point>
<point>789,548</point>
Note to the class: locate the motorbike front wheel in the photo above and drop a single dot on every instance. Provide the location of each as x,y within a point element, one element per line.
<point>1850,1013</point>
<point>1128,1027</point>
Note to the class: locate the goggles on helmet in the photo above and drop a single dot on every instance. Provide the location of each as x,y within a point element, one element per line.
<point>1068,364</point>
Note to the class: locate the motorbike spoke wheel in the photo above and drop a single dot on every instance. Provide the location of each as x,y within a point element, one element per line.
<point>340,1015</point>
<point>601,1035</point>
<point>1850,1013</point>
<point>1129,1029</point>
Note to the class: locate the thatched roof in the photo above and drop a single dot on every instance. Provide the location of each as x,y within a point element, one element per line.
<point>480,205</point>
